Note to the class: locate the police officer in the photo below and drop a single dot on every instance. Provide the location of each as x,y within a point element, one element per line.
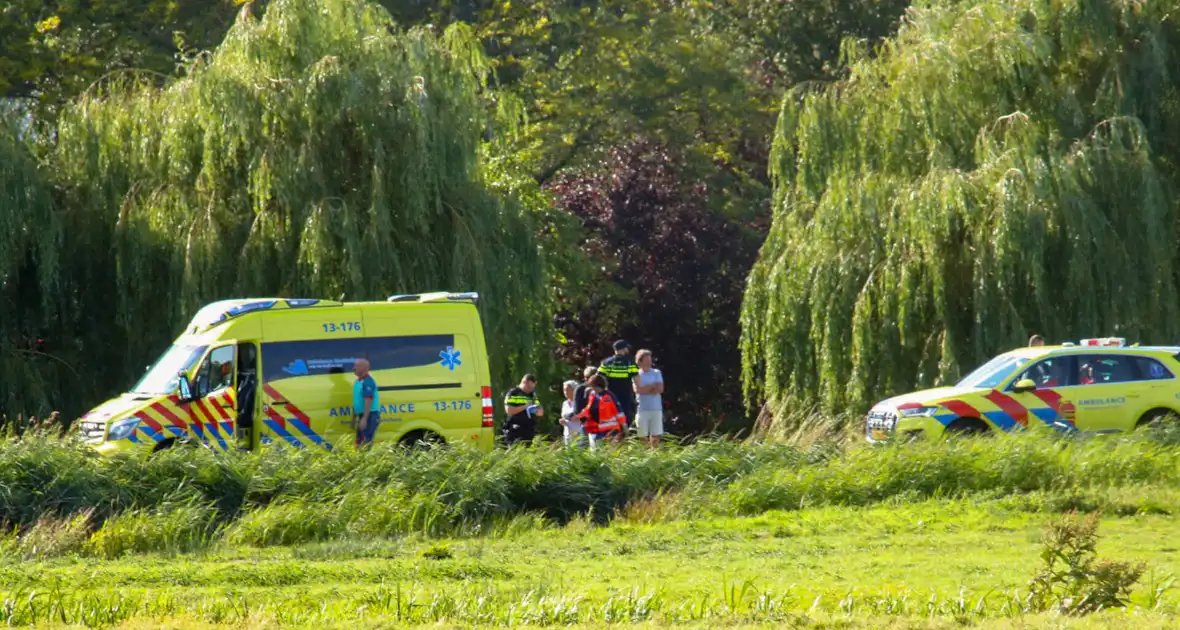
<point>620,372</point>
<point>521,406</point>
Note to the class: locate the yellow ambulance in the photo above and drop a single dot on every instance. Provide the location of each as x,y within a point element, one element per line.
<point>1098,386</point>
<point>248,373</point>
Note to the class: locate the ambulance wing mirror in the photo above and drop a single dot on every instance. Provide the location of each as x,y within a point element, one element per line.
<point>184,387</point>
<point>1024,385</point>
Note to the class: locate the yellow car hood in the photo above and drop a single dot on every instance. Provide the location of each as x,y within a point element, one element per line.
<point>929,396</point>
<point>118,408</point>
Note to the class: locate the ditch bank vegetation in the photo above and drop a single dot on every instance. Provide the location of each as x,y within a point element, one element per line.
<point>60,499</point>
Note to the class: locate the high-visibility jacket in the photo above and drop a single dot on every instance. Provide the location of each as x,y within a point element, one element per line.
<point>602,413</point>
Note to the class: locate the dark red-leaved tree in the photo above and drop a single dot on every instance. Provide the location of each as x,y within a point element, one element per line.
<point>668,275</point>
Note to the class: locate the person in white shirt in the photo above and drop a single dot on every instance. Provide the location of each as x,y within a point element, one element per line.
<point>649,386</point>
<point>573,432</point>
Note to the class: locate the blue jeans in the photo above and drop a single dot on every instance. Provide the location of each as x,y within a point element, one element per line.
<point>365,437</point>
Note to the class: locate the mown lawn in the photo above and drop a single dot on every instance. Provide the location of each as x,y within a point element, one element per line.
<point>925,564</point>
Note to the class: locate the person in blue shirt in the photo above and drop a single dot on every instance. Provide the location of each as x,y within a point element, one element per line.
<point>366,403</point>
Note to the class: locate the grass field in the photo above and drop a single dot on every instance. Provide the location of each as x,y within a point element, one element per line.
<point>936,536</point>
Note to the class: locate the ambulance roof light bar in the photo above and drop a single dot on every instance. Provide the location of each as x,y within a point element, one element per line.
<point>1106,342</point>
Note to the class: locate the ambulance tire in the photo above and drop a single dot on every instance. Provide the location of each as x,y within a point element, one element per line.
<point>173,443</point>
<point>1158,418</point>
<point>967,427</point>
<point>422,439</point>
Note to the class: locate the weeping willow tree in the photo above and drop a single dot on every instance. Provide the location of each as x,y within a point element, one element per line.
<point>319,151</point>
<point>29,241</point>
<point>996,170</point>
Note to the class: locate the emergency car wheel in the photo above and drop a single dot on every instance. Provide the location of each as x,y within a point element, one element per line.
<point>964,427</point>
<point>180,442</point>
<point>422,439</point>
<point>1158,418</point>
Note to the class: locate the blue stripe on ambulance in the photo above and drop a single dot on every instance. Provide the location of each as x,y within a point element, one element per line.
<point>281,432</point>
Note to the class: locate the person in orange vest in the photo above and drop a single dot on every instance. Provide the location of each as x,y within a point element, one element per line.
<point>603,418</point>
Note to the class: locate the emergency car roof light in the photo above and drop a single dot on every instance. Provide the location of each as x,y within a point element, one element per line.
<point>431,297</point>
<point>1105,342</point>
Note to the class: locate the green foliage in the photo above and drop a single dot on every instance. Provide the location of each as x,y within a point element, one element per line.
<point>998,170</point>
<point>594,75</point>
<point>54,50</point>
<point>1073,581</point>
<point>800,41</point>
<point>318,151</point>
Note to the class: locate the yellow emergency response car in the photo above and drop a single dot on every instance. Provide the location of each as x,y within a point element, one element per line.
<point>1097,386</point>
<point>252,372</point>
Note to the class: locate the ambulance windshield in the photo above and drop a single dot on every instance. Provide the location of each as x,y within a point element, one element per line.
<point>992,373</point>
<point>161,378</point>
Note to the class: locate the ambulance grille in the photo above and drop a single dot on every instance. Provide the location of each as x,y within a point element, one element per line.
<point>92,431</point>
<point>880,421</point>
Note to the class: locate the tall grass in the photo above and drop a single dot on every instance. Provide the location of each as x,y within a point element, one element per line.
<point>180,500</point>
<point>400,604</point>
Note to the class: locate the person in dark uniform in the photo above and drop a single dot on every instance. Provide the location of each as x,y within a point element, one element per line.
<point>620,372</point>
<point>521,406</point>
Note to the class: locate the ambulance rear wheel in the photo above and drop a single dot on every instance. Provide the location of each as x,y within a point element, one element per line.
<point>967,427</point>
<point>1158,418</point>
<point>422,439</point>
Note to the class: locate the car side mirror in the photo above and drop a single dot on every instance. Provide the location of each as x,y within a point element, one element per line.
<point>1024,385</point>
<point>184,387</point>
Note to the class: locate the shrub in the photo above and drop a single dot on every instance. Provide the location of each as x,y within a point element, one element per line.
<point>172,530</point>
<point>286,523</point>
<point>54,536</point>
<point>1073,580</point>
<point>440,551</point>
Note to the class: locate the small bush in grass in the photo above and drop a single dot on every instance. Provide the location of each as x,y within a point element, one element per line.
<point>1073,580</point>
<point>657,508</point>
<point>172,530</point>
<point>440,551</point>
<point>286,523</point>
<point>54,536</point>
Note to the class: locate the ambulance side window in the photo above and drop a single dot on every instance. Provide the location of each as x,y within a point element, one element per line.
<point>1046,373</point>
<point>1148,369</point>
<point>217,371</point>
<point>1105,369</point>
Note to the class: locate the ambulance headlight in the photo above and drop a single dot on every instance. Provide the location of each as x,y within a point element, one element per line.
<point>917,412</point>
<point>123,429</point>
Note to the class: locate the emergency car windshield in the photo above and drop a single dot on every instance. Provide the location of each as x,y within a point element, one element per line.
<point>992,373</point>
<point>161,378</point>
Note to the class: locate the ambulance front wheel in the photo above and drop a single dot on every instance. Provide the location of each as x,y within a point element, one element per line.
<point>964,427</point>
<point>174,443</point>
<point>164,445</point>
